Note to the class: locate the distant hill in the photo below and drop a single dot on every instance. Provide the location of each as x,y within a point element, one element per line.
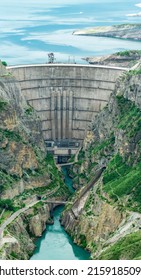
<point>127,58</point>
<point>123,31</point>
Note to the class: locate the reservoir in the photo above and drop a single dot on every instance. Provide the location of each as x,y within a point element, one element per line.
<point>32,29</point>
<point>55,243</point>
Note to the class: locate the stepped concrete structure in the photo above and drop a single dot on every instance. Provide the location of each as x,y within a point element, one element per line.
<point>67,97</point>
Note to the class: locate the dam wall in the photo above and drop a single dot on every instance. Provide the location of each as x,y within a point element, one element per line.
<point>66,97</point>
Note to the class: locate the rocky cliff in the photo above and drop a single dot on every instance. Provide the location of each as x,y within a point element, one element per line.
<point>26,171</point>
<point>19,236</point>
<point>128,59</point>
<point>108,224</point>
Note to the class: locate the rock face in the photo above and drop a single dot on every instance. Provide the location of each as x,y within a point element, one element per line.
<point>126,59</point>
<point>25,229</point>
<point>23,162</point>
<point>124,31</point>
<point>38,222</point>
<point>20,134</point>
<point>108,219</point>
<point>26,171</point>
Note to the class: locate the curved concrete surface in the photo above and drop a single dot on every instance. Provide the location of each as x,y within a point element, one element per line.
<point>66,96</point>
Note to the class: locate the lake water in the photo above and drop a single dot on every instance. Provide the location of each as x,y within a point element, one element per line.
<point>30,29</point>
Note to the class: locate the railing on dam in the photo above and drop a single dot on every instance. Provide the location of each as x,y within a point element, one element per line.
<point>66,97</point>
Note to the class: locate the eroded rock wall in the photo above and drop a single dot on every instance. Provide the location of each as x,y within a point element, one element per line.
<point>27,172</point>
<point>109,216</point>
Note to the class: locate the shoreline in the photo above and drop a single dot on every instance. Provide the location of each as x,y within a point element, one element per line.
<point>122,31</point>
<point>111,37</point>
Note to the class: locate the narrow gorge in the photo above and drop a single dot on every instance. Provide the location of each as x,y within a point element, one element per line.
<point>103,216</point>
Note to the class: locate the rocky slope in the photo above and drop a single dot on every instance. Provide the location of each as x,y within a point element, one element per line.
<point>128,59</point>
<point>123,31</point>
<point>25,170</point>
<point>19,236</point>
<point>109,221</point>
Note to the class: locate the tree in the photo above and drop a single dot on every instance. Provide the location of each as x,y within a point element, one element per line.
<point>4,63</point>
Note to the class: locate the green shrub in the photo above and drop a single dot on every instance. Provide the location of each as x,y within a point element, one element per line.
<point>83,241</point>
<point>4,63</point>
<point>120,180</point>
<point>134,72</point>
<point>12,135</point>
<point>129,53</point>
<point>3,104</point>
<point>7,204</point>
<point>129,116</point>
<point>127,248</point>
<point>29,110</point>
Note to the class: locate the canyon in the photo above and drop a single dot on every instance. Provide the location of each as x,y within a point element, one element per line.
<point>45,111</point>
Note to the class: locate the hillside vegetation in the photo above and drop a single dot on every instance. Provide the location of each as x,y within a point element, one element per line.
<point>109,224</point>
<point>26,171</point>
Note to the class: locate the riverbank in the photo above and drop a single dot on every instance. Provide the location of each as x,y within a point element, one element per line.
<point>122,31</point>
<point>55,243</point>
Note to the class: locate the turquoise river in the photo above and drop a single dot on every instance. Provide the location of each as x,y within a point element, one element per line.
<point>55,243</point>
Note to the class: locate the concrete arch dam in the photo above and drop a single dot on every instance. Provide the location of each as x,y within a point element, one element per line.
<point>66,97</point>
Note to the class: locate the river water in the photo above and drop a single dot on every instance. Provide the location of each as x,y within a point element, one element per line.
<point>55,243</point>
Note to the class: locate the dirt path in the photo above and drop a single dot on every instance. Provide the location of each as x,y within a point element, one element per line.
<point>14,216</point>
<point>17,213</point>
